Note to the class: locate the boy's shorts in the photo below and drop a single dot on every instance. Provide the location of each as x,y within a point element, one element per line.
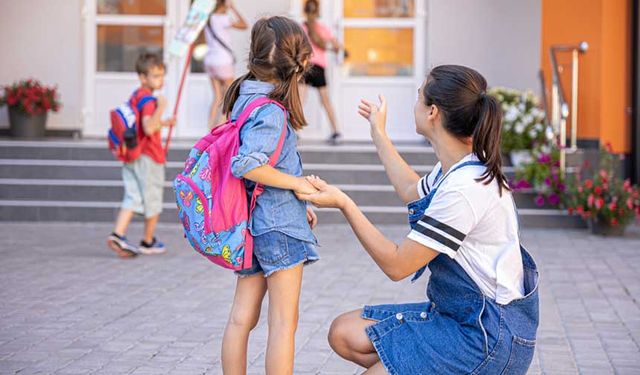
<point>143,186</point>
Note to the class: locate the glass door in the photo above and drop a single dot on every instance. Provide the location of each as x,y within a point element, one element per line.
<point>385,41</point>
<point>116,32</point>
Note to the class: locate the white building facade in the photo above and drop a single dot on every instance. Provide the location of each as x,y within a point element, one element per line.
<point>88,48</point>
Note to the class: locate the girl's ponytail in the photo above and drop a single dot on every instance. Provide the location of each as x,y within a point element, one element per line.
<point>486,140</point>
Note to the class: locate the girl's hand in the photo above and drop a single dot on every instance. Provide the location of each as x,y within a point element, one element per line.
<point>312,218</point>
<point>326,195</point>
<point>377,116</point>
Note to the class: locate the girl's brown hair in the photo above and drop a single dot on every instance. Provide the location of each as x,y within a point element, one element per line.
<point>468,111</point>
<point>278,54</point>
<point>312,12</point>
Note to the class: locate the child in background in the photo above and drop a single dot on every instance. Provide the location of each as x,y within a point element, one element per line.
<point>144,178</point>
<point>321,40</point>
<point>220,59</point>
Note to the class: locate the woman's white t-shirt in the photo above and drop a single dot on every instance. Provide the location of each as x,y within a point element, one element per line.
<point>218,55</point>
<point>475,226</point>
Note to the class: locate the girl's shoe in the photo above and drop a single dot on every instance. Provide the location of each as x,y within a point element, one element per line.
<point>153,248</point>
<point>121,246</point>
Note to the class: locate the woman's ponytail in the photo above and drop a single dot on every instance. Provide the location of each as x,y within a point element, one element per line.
<point>486,140</point>
<point>468,111</point>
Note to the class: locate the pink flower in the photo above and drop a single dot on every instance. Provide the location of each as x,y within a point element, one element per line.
<point>554,199</point>
<point>539,200</point>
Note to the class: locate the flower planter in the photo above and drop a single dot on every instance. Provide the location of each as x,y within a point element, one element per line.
<point>602,228</point>
<point>22,125</point>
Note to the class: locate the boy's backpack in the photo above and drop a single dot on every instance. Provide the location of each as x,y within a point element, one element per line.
<point>212,203</point>
<point>126,129</point>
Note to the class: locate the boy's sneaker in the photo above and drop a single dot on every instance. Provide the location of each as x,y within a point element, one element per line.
<point>121,246</point>
<point>155,247</point>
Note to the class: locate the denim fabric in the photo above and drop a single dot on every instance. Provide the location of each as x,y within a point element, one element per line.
<point>276,209</point>
<point>275,251</point>
<point>458,330</point>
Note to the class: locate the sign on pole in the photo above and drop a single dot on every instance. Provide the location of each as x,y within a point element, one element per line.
<point>196,19</point>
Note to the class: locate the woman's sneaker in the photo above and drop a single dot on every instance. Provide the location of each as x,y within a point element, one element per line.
<point>334,139</point>
<point>155,247</point>
<point>121,246</point>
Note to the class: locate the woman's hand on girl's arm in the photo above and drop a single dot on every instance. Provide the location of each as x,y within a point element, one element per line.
<point>397,262</point>
<point>403,178</point>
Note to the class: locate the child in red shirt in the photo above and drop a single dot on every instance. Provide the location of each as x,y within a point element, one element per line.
<point>144,178</point>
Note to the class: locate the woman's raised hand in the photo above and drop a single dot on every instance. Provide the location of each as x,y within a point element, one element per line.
<point>325,196</point>
<point>376,115</point>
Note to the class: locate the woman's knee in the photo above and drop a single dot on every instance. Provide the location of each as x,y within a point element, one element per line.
<point>339,333</point>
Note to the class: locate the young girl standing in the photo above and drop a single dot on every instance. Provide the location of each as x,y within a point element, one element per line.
<point>281,224</point>
<point>481,311</point>
<point>219,61</point>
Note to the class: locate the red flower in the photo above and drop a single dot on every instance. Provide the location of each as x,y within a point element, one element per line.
<point>612,206</point>
<point>590,200</point>
<point>579,210</point>
<point>588,183</point>
<point>599,203</point>
<point>614,221</point>
<point>597,190</point>
<point>570,210</point>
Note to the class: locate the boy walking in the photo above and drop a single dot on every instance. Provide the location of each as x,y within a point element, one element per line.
<point>144,177</point>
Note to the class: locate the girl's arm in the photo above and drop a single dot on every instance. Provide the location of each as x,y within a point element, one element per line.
<point>396,261</point>
<point>403,178</point>
<point>239,22</point>
<point>269,176</point>
<point>259,139</point>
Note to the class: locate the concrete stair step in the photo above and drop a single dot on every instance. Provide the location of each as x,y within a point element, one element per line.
<point>111,191</point>
<point>363,174</point>
<point>107,211</point>
<point>310,153</point>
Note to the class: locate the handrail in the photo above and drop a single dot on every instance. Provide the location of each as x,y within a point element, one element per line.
<point>559,106</point>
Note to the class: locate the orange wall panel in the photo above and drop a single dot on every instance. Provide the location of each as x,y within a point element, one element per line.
<point>604,74</point>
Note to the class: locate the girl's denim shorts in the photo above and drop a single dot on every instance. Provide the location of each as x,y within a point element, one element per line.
<point>275,251</point>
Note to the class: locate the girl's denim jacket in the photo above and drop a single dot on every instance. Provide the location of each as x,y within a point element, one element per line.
<point>276,209</point>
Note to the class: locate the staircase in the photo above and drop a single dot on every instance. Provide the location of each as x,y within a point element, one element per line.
<point>66,180</point>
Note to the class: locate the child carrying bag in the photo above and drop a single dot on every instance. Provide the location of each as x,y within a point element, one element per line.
<point>125,133</point>
<point>212,202</point>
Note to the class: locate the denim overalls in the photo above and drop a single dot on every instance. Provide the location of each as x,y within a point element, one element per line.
<point>458,330</point>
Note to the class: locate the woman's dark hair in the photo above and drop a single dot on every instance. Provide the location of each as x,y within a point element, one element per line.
<point>219,4</point>
<point>278,54</point>
<point>312,12</point>
<point>468,111</point>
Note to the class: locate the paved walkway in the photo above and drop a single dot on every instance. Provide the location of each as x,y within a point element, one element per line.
<point>69,306</point>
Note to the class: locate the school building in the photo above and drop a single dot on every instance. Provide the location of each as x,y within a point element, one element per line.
<point>88,49</point>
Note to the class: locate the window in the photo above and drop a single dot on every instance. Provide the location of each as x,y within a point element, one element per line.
<point>379,37</point>
<point>119,46</point>
<point>378,8</point>
<point>379,51</point>
<point>132,7</point>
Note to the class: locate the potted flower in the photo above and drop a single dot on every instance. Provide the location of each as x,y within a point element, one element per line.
<point>543,175</point>
<point>29,102</point>
<point>523,124</point>
<point>607,202</point>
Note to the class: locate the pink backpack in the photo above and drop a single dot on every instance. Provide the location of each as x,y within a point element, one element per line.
<point>212,203</point>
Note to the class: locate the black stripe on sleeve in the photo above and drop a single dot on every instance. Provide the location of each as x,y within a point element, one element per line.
<point>443,227</point>
<point>425,186</point>
<point>438,237</point>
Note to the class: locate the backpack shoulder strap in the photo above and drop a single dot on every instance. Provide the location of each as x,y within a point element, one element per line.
<point>273,159</point>
<point>144,100</point>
